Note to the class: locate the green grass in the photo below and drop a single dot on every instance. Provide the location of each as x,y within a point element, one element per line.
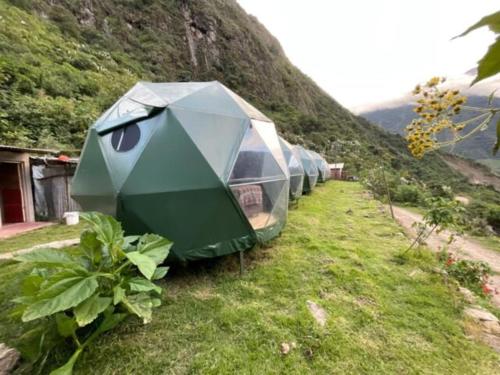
<point>491,242</point>
<point>39,236</point>
<point>384,316</point>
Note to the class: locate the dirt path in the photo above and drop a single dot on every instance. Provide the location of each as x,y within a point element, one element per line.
<point>463,247</point>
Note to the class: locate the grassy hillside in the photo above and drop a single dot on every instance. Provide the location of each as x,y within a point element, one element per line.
<point>63,62</point>
<point>382,316</point>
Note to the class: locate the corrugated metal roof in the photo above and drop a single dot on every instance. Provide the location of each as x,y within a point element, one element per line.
<point>28,150</point>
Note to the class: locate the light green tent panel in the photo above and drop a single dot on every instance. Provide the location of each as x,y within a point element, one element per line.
<point>201,127</point>
<point>122,163</point>
<point>295,168</point>
<point>212,99</point>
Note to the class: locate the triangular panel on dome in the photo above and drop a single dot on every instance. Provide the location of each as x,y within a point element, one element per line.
<point>212,99</point>
<point>216,136</point>
<point>267,132</point>
<point>255,161</point>
<point>170,162</point>
<point>249,109</point>
<point>172,92</point>
<point>123,146</point>
<point>92,185</point>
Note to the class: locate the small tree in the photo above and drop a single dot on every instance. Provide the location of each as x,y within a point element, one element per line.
<point>442,214</point>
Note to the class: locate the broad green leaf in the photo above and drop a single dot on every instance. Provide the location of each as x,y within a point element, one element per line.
<point>66,326</point>
<point>155,247</point>
<point>145,264</point>
<point>497,144</point>
<point>489,65</point>
<point>118,294</point>
<point>129,240</point>
<point>111,321</point>
<point>49,258</point>
<point>140,304</point>
<point>91,246</point>
<point>61,296</point>
<point>491,20</point>
<point>160,273</point>
<point>107,229</point>
<point>67,369</point>
<point>87,311</point>
<point>32,282</point>
<point>140,284</point>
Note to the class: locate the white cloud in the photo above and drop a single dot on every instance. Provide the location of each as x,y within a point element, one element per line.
<point>365,51</point>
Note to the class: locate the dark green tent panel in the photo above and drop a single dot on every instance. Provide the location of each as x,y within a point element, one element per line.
<point>295,168</point>
<point>191,161</point>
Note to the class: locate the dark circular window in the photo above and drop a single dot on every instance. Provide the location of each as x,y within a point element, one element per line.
<point>125,139</point>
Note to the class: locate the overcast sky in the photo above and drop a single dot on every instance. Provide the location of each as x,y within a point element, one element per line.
<point>365,51</point>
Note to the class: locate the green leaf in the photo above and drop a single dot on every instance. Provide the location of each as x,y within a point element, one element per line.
<point>155,247</point>
<point>140,304</point>
<point>118,294</point>
<point>32,282</point>
<point>489,65</point>
<point>491,20</point>
<point>87,311</point>
<point>66,326</point>
<point>49,258</point>
<point>145,264</point>
<point>140,284</point>
<point>497,145</point>
<point>160,273</point>
<point>111,320</point>
<point>107,229</point>
<point>129,240</point>
<point>61,296</point>
<point>67,369</point>
<point>91,246</point>
<point>491,97</point>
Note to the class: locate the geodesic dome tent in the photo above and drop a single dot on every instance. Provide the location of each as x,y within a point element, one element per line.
<point>193,162</point>
<point>310,170</point>
<point>295,168</point>
<point>322,165</point>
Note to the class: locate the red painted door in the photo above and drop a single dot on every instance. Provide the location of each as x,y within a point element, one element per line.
<point>12,205</point>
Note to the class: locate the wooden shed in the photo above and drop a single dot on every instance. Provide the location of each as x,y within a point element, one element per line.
<point>34,184</point>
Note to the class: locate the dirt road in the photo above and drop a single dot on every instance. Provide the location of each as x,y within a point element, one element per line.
<point>463,247</point>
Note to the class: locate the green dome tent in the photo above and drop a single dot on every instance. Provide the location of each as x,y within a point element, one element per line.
<point>322,165</point>
<point>193,162</point>
<point>310,170</point>
<point>295,168</point>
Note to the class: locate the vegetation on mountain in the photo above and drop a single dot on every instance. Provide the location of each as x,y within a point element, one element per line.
<point>64,62</point>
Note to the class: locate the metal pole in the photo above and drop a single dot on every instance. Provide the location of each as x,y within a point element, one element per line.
<point>388,192</point>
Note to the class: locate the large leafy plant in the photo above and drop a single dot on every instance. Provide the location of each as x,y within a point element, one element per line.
<point>85,294</point>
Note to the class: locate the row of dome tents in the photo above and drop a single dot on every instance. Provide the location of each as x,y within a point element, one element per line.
<point>193,162</point>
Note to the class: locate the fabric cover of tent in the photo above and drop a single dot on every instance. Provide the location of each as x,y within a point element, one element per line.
<point>193,162</point>
<point>310,170</point>
<point>322,165</point>
<point>295,168</point>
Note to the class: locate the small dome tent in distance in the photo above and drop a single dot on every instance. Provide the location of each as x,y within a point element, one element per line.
<point>295,169</point>
<point>322,165</point>
<point>191,161</point>
<point>310,170</point>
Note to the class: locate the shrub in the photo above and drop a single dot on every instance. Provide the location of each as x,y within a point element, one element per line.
<point>409,194</point>
<point>82,296</point>
<point>471,274</point>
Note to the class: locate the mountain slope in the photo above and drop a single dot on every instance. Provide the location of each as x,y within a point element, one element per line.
<point>395,119</point>
<point>62,62</point>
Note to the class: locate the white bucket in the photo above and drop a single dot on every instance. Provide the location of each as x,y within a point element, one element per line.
<point>72,217</point>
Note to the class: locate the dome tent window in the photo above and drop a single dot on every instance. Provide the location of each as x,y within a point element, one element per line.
<point>224,186</point>
<point>125,138</point>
